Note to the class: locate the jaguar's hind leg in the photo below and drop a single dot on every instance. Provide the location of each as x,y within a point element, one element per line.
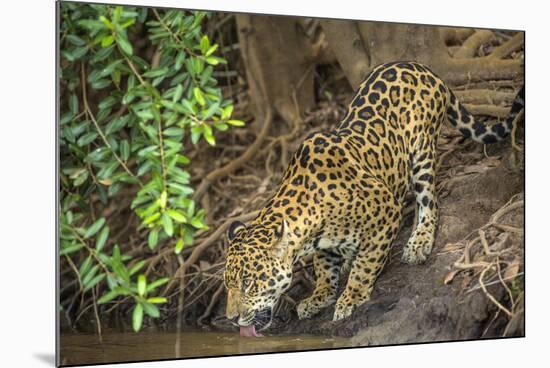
<point>326,264</point>
<point>422,238</point>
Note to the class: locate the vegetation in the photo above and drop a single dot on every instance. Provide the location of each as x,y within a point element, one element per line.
<point>123,125</point>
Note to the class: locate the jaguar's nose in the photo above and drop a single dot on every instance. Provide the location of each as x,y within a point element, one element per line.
<point>234,319</point>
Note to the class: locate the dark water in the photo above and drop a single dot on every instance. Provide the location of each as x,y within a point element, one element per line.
<point>126,347</point>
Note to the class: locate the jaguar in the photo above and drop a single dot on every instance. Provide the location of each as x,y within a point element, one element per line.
<point>342,195</point>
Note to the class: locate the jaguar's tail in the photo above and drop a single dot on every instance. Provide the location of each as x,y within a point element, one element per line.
<point>478,131</point>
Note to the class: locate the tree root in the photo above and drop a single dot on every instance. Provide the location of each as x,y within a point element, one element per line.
<point>472,44</point>
<point>456,35</point>
<point>513,44</point>
<point>488,110</point>
<point>491,261</point>
<point>485,96</point>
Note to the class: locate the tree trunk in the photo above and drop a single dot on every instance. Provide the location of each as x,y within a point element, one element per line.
<point>278,65</point>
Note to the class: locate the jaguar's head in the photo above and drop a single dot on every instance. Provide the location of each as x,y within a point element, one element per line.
<point>258,270</point>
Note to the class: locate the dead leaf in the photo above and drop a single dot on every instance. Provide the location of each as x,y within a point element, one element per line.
<point>512,270</point>
<point>450,276</point>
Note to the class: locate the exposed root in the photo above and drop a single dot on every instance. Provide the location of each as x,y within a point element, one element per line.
<point>488,110</point>
<point>471,45</point>
<point>513,44</point>
<point>491,256</point>
<point>485,96</point>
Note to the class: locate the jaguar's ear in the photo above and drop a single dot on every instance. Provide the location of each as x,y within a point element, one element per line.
<point>234,229</point>
<point>282,234</point>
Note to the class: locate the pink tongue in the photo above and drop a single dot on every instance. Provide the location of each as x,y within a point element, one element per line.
<point>249,331</point>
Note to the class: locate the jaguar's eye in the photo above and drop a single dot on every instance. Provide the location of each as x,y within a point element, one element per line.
<point>246,283</point>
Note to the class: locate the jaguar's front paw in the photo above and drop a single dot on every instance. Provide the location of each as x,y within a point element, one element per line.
<point>309,307</point>
<point>417,250</point>
<point>342,311</point>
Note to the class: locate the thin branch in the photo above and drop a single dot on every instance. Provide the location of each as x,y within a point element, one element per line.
<point>96,124</point>
<point>175,36</point>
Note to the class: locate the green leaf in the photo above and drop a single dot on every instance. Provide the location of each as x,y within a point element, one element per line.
<point>86,279</point>
<point>176,215</point>
<point>163,199</point>
<point>179,246</point>
<point>116,124</point>
<point>96,226</point>
<point>124,45</point>
<point>152,239</point>
<point>227,111</point>
<point>102,238</point>
<point>155,284</point>
<point>107,22</point>
<point>128,23</point>
<point>151,218</point>
<point>138,266</point>
<point>71,249</point>
<point>107,41</point>
<point>199,96</point>
<point>85,266</point>
<point>73,104</point>
<point>81,179</point>
<point>151,309</point>
<point>197,223</point>
<point>177,93</point>
<point>75,40</point>
<point>142,285</point>
<point>86,139</point>
<point>108,170</point>
<point>108,296</point>
<point>179,60</point>
<point>157,300</point>
<point>212,60</point>
<point>156,72</point>
<point>204,44</point>
<point>93,282</point>
<point>78,52</point>
<point>102,54</point>
<point>211,50</point>
<point>125,150</point>
<point>137,317</point>
<point>196,133</point>
<point>235,122</point>
<point>167,224</point>
<point>212,109</point>
<point>116,14</point>
<point>100,84</point>
<point>209,137</point>
<point>173,132</point>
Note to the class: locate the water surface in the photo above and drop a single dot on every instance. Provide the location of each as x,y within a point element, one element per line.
<point>153,345</point>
